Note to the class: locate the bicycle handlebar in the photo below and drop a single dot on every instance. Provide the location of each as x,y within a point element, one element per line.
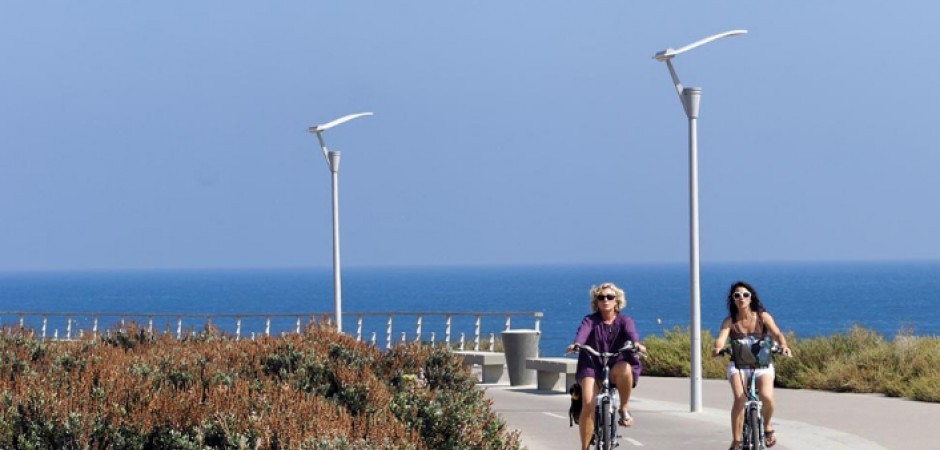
<point>628,347</point>
<point>775,349</point>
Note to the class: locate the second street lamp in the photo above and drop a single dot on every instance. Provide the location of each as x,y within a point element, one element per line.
<point>332,162</point>
<point>690,98</point>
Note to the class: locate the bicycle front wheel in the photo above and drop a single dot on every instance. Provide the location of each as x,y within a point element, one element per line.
<point>604,422</point>
<point>756,430</point>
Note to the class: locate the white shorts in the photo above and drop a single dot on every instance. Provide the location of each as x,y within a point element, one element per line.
<point>769,370</point>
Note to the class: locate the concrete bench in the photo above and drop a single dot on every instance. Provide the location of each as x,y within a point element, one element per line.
<point>553,374</point>
<point>491,362</point>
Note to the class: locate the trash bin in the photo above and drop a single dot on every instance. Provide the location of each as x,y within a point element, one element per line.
<point>519,345</point>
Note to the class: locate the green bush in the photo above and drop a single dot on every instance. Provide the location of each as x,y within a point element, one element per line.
<point>858,360</point>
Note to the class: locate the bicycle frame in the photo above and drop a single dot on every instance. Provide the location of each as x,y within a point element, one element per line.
<point>752,435</point>
<point>605,409</point>
<point>753,432</point>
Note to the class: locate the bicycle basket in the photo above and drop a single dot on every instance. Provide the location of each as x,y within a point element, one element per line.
<point>746,354</point>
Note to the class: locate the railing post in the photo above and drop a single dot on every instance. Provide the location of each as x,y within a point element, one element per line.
<point>298,324</point>
<point>418,331</point>
<point>492,342</point>
<point>359,329</point>
<point>538,320</point>
<point>238,328</point>
<point>44,328</point>
<point>507,322</point>
<point>373,338</point>
<point>476,335</point>
<point>94,328</point>
<point>22,320</point>
<point>267,326</point>
<point>388,333</point>
<point>461,341</point>
<point>150,325</point>
<point>447,330</point>
<point>68,328</point>
<point>179,328</point>
<point>432,339</point>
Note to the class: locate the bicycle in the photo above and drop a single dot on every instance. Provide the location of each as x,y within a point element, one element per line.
<point>607,401</point>
<point>752,435</point>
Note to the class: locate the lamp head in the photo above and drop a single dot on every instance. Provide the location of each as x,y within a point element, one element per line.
<point>670,53</point>
<point>326,126</point>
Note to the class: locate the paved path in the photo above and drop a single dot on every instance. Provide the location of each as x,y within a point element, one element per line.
<point>804,419</point>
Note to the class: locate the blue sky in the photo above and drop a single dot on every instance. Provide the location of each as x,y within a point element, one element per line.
<point>173,134</point>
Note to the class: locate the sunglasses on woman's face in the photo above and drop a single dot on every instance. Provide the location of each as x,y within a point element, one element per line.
<point>742,294</point>
<point>608,297</point>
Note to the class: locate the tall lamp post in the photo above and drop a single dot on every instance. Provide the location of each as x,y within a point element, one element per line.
<point>690,98</point>
<point>332,162</point>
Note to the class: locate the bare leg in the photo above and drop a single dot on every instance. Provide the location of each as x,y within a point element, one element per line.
<point>737,410</point>
<point>586,422</point>
<point>765,389</point>
<point>622,376</point>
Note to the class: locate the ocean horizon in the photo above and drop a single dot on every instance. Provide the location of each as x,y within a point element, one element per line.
<point>808,299</point>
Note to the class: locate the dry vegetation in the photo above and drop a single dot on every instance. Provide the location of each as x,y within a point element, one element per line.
<point>317,390</point>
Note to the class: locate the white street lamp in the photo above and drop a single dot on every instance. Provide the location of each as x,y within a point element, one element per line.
<point>690,98</point>
<point>332,162</point>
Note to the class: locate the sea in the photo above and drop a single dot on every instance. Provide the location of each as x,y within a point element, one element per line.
<point>807,299</point>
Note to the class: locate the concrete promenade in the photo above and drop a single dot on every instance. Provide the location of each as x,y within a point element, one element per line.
<point>804,419</point>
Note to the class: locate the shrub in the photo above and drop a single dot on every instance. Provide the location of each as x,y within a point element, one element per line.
<point>858,360</point>
<point>133,390</point>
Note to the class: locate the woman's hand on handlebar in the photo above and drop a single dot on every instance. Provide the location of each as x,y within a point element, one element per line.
<point>573,348</point>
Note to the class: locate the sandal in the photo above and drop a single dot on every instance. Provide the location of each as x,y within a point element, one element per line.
<point>735,445</point>
<point>626,420</point>
<point>770,438</point>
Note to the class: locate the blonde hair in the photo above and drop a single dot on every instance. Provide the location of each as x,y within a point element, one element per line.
<point>621,296</point>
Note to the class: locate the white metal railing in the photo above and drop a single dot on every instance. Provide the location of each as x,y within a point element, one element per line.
<point>368,324</point>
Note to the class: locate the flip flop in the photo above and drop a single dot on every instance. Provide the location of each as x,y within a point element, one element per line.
<point>770,438</point>
<point>626,420</point>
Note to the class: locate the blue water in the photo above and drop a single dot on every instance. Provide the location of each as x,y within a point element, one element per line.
<point>808,299</point>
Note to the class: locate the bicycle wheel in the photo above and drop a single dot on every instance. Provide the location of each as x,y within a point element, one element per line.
<point>606,441</point>
<point>755,429</point>
<point>746,431</point>
<point>613,427</point>
<point>598,438</point>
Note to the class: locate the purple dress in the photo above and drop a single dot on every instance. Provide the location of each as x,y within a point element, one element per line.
<point>606,338</point>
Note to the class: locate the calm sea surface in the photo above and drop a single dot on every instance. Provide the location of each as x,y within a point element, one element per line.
<point>808,299</point>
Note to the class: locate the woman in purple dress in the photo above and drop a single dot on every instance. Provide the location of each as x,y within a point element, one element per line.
<point>606,330</point>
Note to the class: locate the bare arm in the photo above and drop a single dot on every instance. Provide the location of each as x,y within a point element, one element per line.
<point>774,331</point>
<point>722,336</point>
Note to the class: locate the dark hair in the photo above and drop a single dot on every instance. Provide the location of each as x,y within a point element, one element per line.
<point>756,305</point>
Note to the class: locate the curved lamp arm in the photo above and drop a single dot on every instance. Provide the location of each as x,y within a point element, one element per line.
<point>319,129</point>
<point>669,53</point>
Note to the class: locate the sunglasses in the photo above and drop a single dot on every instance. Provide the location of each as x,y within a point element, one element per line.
<point>742,294</point>
<point>608,297</point>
